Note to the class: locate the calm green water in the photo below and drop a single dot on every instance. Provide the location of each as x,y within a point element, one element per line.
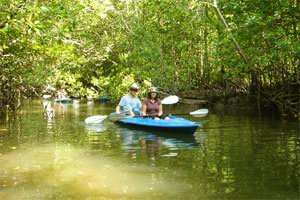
<point>232,157</point>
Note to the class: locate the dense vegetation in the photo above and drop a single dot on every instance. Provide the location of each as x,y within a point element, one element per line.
<point>93,47</point>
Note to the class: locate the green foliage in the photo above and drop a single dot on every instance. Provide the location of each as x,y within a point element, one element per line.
<point>101,47</point>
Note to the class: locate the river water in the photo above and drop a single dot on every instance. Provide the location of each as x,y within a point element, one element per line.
<point>231,157</point>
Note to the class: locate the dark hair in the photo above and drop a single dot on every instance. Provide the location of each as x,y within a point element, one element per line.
<point>156,97</point>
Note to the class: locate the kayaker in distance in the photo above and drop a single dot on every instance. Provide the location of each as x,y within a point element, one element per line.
<point>130,103</point>
<point>152,106</point>
<point>61,93</point>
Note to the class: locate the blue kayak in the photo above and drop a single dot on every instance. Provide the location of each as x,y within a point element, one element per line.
<point>174,124</point>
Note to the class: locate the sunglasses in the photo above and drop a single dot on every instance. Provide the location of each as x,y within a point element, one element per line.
<point>134,90</point>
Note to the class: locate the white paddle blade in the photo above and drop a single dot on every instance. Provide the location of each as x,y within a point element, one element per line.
<point>96,119</point>
<point>199,113</point>
<point>170,100</point>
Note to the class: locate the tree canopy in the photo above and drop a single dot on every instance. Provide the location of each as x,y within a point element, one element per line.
<point>99,47</point>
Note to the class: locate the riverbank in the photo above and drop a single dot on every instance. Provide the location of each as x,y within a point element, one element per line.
<point>221,101</point>
<point>218,100</point>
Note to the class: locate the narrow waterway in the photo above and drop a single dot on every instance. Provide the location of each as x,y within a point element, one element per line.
<point>231,157</point>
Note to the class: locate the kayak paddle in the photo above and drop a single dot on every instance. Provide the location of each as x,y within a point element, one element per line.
<point>116,116</point>
<point>199,113</point>
<point>170,99</point>
<point>96,119</point>
<point>174,99</point>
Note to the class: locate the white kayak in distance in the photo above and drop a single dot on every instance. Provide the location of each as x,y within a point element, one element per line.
<point>47,96</point>
<point>199,113</point>
<point>96,119</point>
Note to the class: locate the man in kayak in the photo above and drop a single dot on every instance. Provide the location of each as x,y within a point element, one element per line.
<point>152,106</point>
<point>130,103</point>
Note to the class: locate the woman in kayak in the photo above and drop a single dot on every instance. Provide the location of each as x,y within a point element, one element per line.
<point>152,107</point>
<point>130,103</point>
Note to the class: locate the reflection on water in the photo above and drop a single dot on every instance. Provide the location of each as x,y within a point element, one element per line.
<point>61,171</point>
<point>154,143</point>
<point>50,126</point>
<point>233,157</point>
<point>95,128</point>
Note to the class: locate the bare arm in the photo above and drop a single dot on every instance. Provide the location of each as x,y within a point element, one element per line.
<point>118,109</point>
<point>160,111</point>
<point>144,108</point>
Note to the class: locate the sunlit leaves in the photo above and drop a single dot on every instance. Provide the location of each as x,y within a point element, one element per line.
<point>100,47</point>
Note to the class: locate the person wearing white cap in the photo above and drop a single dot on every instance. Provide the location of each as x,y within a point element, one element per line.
<point>130,103</point>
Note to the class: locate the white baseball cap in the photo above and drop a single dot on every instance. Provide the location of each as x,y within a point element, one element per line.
<point>134,86</point>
